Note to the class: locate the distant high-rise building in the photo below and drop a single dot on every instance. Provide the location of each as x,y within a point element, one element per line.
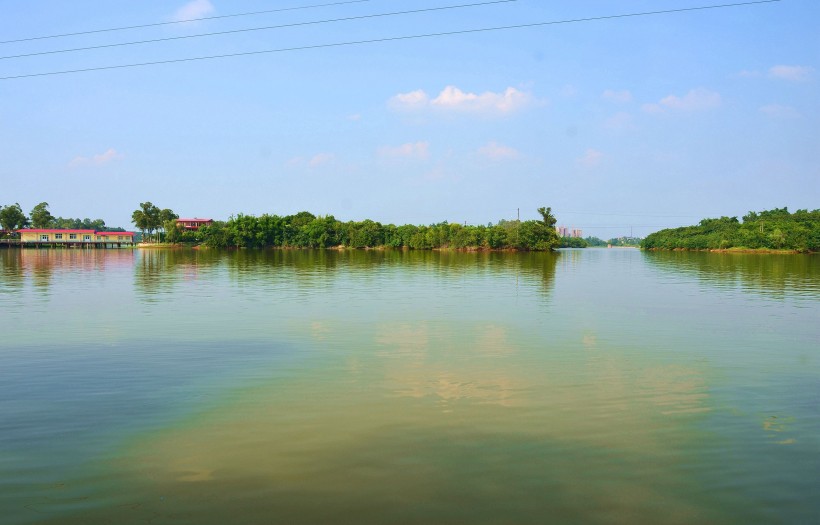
<point>563,231</point>
<point>576,232</point>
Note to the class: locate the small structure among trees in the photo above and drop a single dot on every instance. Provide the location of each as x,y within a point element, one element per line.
<point>193,224</point>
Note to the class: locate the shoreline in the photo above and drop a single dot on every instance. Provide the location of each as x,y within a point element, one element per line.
<point>768,251</point>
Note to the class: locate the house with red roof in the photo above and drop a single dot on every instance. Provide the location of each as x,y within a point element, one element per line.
<point>54,237</point>
<point>193,224</point>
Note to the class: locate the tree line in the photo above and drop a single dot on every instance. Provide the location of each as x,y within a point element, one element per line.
<point>12,218</point>
<point>775,229</point>
<point>586,242</point>
<point>306,230</point>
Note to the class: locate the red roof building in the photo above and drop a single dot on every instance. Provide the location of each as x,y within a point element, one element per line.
<point>67,236</point>
<point>193,224</point>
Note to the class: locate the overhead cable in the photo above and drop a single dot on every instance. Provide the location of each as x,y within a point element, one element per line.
<point>385,39</point>
<point>265,28</point>
<point>171,22</point>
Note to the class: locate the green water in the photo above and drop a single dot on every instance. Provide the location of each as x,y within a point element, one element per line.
<point>588,386</point>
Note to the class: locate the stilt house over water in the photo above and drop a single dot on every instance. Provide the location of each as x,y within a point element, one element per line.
<point>75,238</point>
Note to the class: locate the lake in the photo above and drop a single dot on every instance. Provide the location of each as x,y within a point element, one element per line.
<point>291,386</point>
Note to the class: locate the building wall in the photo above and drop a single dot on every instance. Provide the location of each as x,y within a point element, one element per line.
<point>118,238</point>
<point>193,225</point>
<point>52,237</point>
<point>29,237</point>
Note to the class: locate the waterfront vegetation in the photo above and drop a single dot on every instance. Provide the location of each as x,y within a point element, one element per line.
<point>775,229</point>
<point>13,218</point>
<point>772,230</point>
<point>305,230</point>
<point>595,242</point>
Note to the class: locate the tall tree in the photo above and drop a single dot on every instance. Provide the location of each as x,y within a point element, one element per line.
<point>147,218</point>
<point>547,217</point>
<point>12,218</point>
<point>41,217</point>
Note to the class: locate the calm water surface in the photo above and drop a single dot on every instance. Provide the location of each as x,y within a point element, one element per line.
<point>596,386</point>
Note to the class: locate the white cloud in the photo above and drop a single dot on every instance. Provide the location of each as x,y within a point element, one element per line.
<point>791,73</point>
<point>617,96</point>
<point>696,100</point>
<point>778,111</point>
<point>510,100</point>
<point>321,159</point>
<point>453,99</point>
<point>101,159</point>
<point>409,101</point>
<point>591,158</point>
<point>495,151</point>
<point>354,117</point>
<point>193,10</point>
<point>410,150</point>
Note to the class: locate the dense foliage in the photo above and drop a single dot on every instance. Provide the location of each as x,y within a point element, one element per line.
<point>149,218</point>
<point>625,241</point>
<point>305,230</point>
<point>574,242</point>
<point>595,241</point>
<point>13,218</point>
<point>775,229</point>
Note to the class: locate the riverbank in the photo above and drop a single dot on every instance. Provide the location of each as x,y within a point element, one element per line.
<point>735,250</point>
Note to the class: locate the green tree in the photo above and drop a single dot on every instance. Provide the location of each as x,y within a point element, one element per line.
<point>775,228</point>
<point>172,233</point>
<point>167,217</point>
<point>365,234</point>
<point>140,220</point>
<point>321,232</point>
<point>12,218</point>
<point>214,236</point>
<point>547,217</point>
<point>147,218</point>
<point>244,231</point>
<point>778,238</point>
<point>41,217</point>
<point>595,241</point>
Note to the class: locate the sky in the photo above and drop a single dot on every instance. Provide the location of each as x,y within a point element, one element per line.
<point>621,125</point>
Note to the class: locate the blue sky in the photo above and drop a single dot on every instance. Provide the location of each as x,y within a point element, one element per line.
<point>621,125</point>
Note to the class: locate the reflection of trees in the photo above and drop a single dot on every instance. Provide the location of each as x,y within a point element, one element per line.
<point>311,267</point>
<point>770,274</point>
<point>158,270</point>
<point>540,267</point>
<point>304,265</point>
<point>11,269</point>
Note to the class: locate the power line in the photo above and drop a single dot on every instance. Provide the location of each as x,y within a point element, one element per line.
<point>123,28</point>
<point>385,39</point>
<point>247,30</point>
